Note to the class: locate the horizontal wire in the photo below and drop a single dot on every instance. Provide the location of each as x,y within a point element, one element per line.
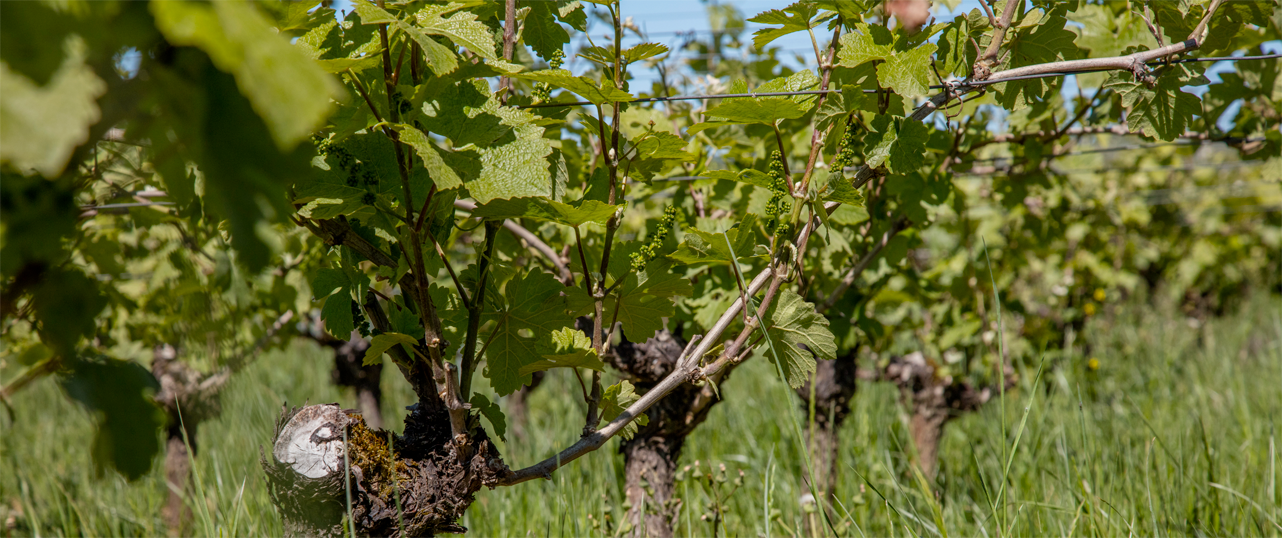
<point>1191,144</point>
<point>1186,168</point>
<point>1075,171</point>
<point>933,86</point>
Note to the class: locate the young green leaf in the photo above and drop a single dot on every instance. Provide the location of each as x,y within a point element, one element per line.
<point>1162,111</point>
<point>615,400</point>
<point>380,343</point>
<point>583,86</point>
<point>568,348</point>
<point>703,247</point>
<point>547,210</point>
<point>492,412</point>
<point>643,51</point>
<point>792,322</point>
<point>794,18</point>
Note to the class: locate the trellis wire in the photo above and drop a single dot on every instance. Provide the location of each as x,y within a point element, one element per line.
<point>1190,144</point>
<point>1185,168</point>
<point>969,175</point>
<point>960,84</point>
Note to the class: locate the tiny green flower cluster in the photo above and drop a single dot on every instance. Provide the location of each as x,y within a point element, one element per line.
<point>542,91</point>
<point>651,250</point>
<point>846,153</point>
<point>780,193</point>
<point>357,173</point>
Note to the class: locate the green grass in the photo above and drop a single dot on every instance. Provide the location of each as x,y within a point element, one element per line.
<point>1176,434</point>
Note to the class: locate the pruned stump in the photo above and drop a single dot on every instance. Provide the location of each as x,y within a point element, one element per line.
<point>417,486</point>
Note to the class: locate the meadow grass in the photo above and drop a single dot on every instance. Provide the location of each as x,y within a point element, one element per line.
<point>1174,434</point>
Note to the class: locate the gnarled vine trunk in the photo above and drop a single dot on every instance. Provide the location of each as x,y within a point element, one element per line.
<point>651,456</point>
<point>933,401</point>
<point>188,398</point>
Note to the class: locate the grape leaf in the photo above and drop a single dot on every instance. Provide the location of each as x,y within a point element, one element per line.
<point>569,348</point>
<point>442,174</point>
<point>41,126</point>
<point>501,149</point>
<point>904,69</point>
<point>838,106</point>
<point>380,343</point>
<point>908,72</point>
<point>492,413</point>
<point>766,110</point>
<point>337,314</point>
<point>839,189</point>
<point>328,282</point>
<point>749,176</point>
<point>1044,41</point>
<point>794,18</point>
<point>1105,32</point>
<point>642,301</point>
<point>440,58</point>
<point>702,247</point>
<point>547,210</point>
<point>542,32</point>
<point>288,90</point>
<point>792,323</point>
<point>762,110</point>
<point>1255,12</point>
<point>234,147</point>
<point>899,143</point>
<point>531,311</point>
<point>66,301</point>
<point>121,391</point>
<point>642,51</point>
<point>661,145</point>
<point>25,44</point>
<point>615,400</point>
<point>1162,111</point>
<point>462,28</point>
<point>583,86</point>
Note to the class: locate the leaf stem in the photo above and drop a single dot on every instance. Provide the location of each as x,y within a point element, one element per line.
<point>587,273</point>
<point>468,363</point>
<point>360,88</point>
